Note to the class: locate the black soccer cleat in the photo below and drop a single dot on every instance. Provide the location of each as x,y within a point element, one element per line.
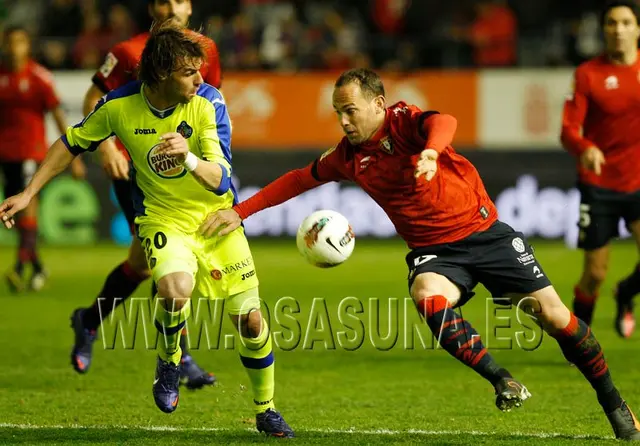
<point>166,384</point>
<point>273,425</point>
<point>625,322</point>
<point>192,376</point>
<point>509,394</point>
<point>624,423</point>
<point>83,344</point>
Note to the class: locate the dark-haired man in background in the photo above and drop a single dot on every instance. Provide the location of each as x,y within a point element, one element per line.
<point>601,127</point>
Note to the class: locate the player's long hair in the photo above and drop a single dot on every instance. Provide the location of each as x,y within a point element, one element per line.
<point>169,48</point>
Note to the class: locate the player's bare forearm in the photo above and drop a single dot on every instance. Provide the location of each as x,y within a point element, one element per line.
<point>91,98</point>
<point>57,160</point>
<point>60,119</point>
<point>211,175</point>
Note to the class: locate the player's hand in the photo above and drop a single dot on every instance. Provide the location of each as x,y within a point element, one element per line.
<point>175,145</point>
<point>427,164</point>
<point>78,169</point>
<point>593,159</point>
<point>113,161</point>
<point>227,219</point>
<point>11,206</point>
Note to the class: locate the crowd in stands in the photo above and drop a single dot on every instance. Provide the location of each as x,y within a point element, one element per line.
<point>303,35</point>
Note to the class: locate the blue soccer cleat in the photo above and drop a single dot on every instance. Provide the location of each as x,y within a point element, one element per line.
<point>272,424</point>
<point>166,384</point>
<point>83,345</point>
<point>192,376</point>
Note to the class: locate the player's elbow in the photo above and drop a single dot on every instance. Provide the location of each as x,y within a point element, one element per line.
<point>225,181</point>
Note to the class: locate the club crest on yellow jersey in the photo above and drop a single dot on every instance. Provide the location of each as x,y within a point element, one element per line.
<point>165,166</point>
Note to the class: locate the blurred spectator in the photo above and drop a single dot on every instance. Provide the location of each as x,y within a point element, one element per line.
<point>61,25</point>
<point>399,35</point>
<point>493,34</point>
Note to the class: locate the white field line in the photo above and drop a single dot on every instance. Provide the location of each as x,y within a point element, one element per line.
<point>354,431</point>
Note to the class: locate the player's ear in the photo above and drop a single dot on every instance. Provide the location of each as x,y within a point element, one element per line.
<point>380,103</point>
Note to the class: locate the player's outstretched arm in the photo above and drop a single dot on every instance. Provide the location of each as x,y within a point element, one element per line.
<point>78,169</point>
<point>57,160</point>
<point>284,188</point>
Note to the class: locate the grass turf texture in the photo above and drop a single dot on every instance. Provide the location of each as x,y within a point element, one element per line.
<point>366,396</point>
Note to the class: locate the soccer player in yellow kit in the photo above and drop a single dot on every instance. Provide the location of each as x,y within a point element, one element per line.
<point>178,134</point>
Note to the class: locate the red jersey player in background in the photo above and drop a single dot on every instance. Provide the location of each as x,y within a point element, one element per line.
<point>118,69</point>
<point>27,94</point>
<point>402,157</point>
<point>601,127</point>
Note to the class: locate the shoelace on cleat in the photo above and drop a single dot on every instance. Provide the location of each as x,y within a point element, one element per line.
<point>168,375</point>
<point>275,420</point>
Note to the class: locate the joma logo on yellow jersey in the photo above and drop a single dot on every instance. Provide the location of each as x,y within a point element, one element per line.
<point>165,166</point>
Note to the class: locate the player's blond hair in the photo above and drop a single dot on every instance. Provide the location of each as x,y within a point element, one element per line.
<point>169,48</point>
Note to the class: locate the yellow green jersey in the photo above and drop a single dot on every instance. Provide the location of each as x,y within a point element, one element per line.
<point>164,191</point>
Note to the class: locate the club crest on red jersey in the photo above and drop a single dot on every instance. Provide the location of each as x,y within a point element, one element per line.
<point>611,83</point>
<point>386,145</point>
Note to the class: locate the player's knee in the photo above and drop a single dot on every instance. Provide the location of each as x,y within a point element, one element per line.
<point>249,325</point>
<point>254,324</point>
<point>546,307</point>
<point>427,285</point>
<point>176,289</point>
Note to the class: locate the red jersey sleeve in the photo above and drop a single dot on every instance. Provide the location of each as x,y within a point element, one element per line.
<point>214,72</point>
<point>427,129</point>
<point>47,88</point>
<point>289,185</point>
<point>327,167</point>
<point>293,183</point>
<point>575,110</point>
<point>116,70</point>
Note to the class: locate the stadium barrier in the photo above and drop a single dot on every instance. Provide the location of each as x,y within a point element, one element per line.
<point>509,122</point>
<point>498,109</point>
<point>535,192</point>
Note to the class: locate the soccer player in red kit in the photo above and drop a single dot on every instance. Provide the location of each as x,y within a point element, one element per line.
<point>118,69</point>
<point>601,127</point>
<point>402,157</point>
<point>27,94</point>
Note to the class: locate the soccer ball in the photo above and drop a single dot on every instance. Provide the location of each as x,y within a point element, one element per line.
<point>325,239</point>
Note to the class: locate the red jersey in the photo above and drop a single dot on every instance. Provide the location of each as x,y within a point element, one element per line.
<point>604,111</point>
<point>25,98</point>
<point>119,67</point>
<point>450,207</point>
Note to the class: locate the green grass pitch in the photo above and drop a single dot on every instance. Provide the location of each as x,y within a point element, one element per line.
<point>329,396</point>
